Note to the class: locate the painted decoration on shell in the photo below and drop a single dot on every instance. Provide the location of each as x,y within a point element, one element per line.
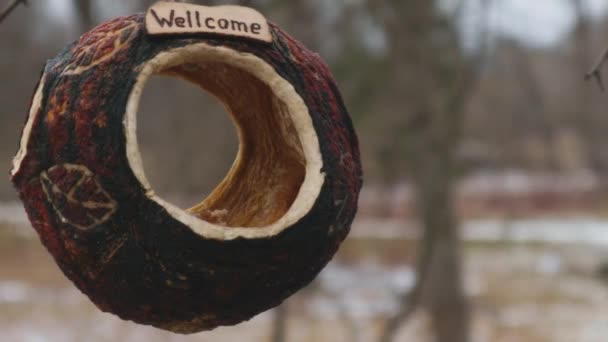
<point>123,250</point>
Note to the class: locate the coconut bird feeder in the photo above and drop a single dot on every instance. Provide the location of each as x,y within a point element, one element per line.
<point>266,230</point>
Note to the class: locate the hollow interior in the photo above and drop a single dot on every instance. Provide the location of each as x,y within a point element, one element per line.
<point>278,174</point>
<point>270,165</point>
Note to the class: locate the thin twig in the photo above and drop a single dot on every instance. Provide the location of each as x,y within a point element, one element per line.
<point>596,72</point>
<point>409,303</point>
<point>11,6</point>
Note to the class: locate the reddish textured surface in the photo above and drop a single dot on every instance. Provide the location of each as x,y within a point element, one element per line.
<point>125,251</point>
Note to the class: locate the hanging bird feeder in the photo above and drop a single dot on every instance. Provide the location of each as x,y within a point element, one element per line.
<point>266,230</point>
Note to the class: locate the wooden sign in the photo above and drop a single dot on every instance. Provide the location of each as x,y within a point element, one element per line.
<point>172,18</point>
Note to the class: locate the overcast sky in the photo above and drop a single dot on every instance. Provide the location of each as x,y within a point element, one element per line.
<point>541,22</point>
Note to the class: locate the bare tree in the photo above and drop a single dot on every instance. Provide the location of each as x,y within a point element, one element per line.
<point>435,79</point>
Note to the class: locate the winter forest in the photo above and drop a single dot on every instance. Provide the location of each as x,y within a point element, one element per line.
<point>484,210</point>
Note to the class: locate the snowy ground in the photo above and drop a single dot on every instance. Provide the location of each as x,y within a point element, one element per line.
<point>529,280</point>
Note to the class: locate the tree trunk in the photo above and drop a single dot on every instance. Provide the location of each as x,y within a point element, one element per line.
<point>442,291</point>
<point>437,79</point>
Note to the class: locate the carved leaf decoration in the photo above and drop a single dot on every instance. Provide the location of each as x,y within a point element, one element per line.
<point>76,196</point>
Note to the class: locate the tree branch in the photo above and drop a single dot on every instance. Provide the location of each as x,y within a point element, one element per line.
<point>11,6</point>
<point>408,305</point>
<point>596,71</point>
<point>412,300</point>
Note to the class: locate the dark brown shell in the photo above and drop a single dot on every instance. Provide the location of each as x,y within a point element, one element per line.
<point>124,250</point>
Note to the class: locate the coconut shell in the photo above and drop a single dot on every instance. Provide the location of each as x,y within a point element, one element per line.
<point>129,251</point>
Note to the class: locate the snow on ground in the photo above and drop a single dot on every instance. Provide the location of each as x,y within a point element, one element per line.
<point>529,280</point>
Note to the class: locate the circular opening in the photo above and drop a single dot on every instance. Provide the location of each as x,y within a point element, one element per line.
<point>188,143</point>
<point>276,176</point>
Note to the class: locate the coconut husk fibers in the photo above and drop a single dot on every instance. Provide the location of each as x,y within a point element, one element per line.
<point>257,239</point>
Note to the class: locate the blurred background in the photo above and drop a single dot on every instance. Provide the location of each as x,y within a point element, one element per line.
<point>484,215</point>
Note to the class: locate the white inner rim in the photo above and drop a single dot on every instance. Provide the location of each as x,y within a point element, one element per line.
<point>283,90</point>
<point>27,130</point>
